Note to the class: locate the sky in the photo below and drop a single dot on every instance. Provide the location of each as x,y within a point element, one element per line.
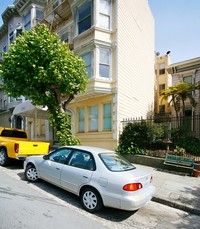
<point>177,27</point>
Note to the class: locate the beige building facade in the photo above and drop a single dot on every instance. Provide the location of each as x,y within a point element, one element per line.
<point>163,80</point>
<point>116,40</point>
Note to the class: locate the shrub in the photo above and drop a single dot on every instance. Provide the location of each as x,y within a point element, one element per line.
<point>139,136</point>
<point>190,144</point>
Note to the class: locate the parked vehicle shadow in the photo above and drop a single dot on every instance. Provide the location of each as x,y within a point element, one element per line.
<point>111,214</point>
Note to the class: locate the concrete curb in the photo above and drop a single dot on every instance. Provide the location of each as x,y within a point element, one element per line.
<point>176,205</point>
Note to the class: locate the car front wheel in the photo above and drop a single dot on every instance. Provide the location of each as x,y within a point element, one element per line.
<point>31,173</point>
<point>91,200</point>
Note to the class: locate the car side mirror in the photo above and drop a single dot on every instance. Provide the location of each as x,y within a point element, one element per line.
<point>45,157</point>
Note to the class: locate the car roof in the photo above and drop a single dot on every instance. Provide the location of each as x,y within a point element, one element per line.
<point>91,149</point>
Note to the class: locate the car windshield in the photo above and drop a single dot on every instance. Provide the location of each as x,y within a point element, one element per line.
<point>115,162</point>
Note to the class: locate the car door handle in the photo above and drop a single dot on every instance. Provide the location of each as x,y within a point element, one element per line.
<point>85,177</point>
<point>58,168</point>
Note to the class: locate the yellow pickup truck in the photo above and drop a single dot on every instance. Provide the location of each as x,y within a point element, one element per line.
<point>14,144</point>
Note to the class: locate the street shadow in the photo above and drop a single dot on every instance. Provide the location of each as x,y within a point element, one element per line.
<point>111,214</point>
<point>15,164</point>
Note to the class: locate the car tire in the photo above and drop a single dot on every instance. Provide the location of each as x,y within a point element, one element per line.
<point>31,173</point>
<point>91,200</point>
<point>4,159</point>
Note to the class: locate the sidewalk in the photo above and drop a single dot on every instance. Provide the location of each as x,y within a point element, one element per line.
<point>178,191</point>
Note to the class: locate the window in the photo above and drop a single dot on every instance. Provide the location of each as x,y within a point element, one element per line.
<point>27,21</point>
<point>18,31</point>
<point>85,17</point>
<point>104,63</point>
<point>81,120</point>
<point>11,37</point>
<point>161,87</point>
<point>115,162</point>
<point>93,118</point>
<point>187,79</point>
<point>39,14</point>
<point>104,14</point>
<point>162,69</point>
<point>82,160</point>
<point>60,155</point>
<point>107,116</point>
<point>88,62</point>
<point>4,49</point>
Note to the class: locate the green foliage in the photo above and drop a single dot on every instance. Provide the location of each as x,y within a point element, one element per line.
<point>178,94</point>
<point>61,121</point>
<point>39,66</point>
<point>190,144</point>
<point>138,136</point>
<point>132,149</point>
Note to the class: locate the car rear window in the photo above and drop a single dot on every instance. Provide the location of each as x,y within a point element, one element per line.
<point>116,162</point>
<point>13,134</point>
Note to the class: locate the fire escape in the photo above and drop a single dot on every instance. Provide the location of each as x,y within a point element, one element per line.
<point>54,15</point>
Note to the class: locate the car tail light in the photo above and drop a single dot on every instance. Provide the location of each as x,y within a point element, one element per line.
<point>16,147</point>
<point>132,187</point>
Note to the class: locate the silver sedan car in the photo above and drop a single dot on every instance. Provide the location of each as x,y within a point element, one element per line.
<point>100,177</point>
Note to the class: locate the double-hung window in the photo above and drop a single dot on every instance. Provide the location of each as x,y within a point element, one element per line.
<point>11,37</point>
<point>81,120</point>
<point>93,118</point>
<point>27,21</point>
<point>162,69</point>
<point>105,14</point>
<point>107,120</point>
<point>87,57</point>
<point>104,63</point>
<point>85,17</point>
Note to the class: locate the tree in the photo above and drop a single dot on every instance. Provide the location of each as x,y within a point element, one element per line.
<point>179,94</point>
<point>39,66</point>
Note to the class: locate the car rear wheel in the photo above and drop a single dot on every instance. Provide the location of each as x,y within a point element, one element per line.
<point>31,173</point>
<point>91,200</point>
<point>4,159</point>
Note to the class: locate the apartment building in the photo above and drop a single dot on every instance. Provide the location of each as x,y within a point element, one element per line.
<point>163,80</point>
<point>187,71</point>
<point>116,40</point>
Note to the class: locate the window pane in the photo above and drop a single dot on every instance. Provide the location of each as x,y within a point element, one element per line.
<point>104,21</point>
<point>107,116</point>
<point>28,26</point>
<point>104,56</point>
<point>104,71</point>
<point>93,118</point>
<point>104,65</point>
<point>84,25</point>
<point>84,17</point>
<point>85,11</point>
<point>187,79</point>
<point>105,6</point>
<point>88,59</point>
<point>81,119</point>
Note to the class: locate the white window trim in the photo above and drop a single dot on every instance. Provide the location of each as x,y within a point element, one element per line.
<point>97,50</point>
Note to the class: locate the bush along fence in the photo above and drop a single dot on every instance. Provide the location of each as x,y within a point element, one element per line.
<point>156,136</point>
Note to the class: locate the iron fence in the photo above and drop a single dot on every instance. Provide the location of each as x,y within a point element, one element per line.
<point>183,125</point>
